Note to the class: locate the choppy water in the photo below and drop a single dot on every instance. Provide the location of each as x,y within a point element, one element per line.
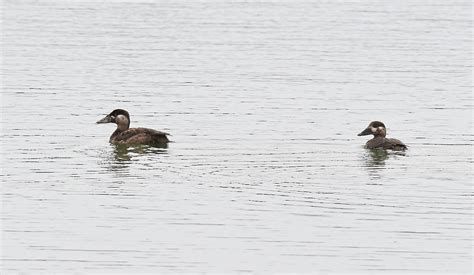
<point>264,101</point>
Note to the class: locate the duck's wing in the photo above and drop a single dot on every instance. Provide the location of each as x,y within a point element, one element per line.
<point>395,144</point>
<point>141,135</point>
<point>152,132</point>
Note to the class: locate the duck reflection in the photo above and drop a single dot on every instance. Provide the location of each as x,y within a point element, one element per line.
<point>126,153</point>
<point>375,161</point>
<point>376,158</point>
<point>121,157</point>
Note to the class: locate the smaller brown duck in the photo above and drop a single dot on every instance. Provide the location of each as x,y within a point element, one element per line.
<point>128,136</point>
<point>379,131</point>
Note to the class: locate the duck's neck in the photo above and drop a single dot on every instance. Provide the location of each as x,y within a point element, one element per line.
<point>115,133</point>
<point>122,127</point>
<point>380,133</point>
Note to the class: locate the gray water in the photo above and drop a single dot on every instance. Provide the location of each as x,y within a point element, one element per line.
<point>264,101</point>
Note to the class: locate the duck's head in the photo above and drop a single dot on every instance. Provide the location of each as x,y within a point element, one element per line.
<point>119,117</point>
<point>375,128</point>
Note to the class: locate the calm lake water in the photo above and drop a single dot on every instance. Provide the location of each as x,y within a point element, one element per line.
<point>264,101</point>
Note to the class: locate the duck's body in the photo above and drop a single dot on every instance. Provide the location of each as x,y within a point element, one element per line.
<point>138,136</point>
<point>379,131</point>
<point>129,136</point>
<point>385,143</point>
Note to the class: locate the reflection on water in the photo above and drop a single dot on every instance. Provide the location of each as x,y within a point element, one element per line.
<point>375,160</point>
<point>117,158</point>
<point>125,152</point>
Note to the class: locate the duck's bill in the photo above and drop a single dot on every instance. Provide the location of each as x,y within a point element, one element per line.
<point>106,119</point>
<point>366,132</point>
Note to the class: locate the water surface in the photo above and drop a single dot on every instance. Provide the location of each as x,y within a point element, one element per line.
<point>264,101</point>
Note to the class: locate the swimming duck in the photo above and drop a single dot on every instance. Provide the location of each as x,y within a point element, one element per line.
<point>379,131</point>
<point>126,135</point>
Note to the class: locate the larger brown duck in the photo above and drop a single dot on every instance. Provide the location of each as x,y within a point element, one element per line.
<point>131,136</point>
<point>379,131</point>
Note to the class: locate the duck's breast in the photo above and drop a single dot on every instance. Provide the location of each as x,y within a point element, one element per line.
<point>376,142</point>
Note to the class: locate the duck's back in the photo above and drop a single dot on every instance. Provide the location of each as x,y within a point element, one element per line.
<point>385,143</point>
<point>139,136</point>
<point>395,144</point>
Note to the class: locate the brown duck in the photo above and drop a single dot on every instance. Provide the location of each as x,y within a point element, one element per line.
<point>379,131</point>
<point>128,136</point>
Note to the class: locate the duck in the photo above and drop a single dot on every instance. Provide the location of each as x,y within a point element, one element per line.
<point>131,136</point>
<point>379,131</point>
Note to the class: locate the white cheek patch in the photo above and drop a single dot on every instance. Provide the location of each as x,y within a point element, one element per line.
<point>373,129</point>
<point>121,121</point>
